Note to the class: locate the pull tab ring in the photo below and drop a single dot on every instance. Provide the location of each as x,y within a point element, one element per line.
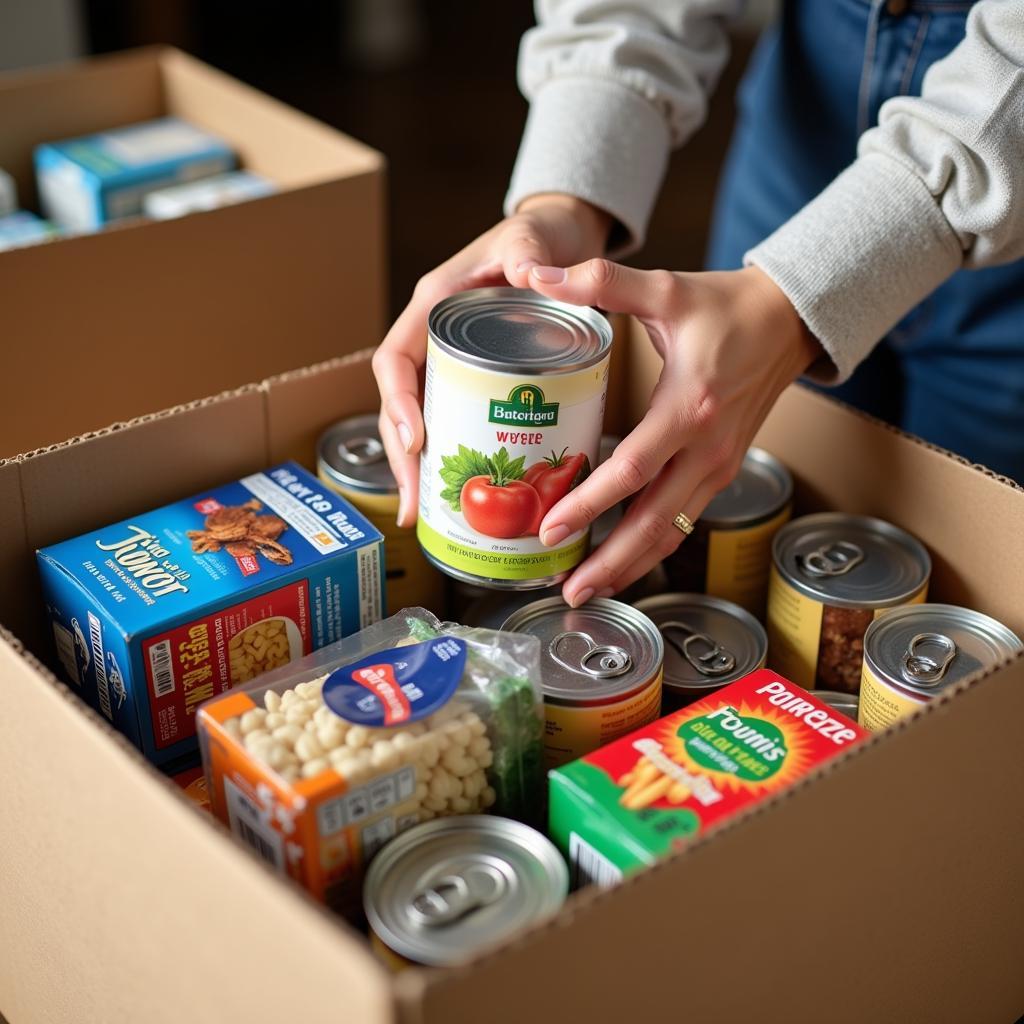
<point>361,451</point>
<point>834,559</point>
<point>715,660</point>
<point>453,896</point>
<point>611,659</point>
<point>925,670</point>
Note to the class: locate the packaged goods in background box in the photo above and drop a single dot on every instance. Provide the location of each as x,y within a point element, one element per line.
<point>318,765</point>
<point>206,194</point>
<point>8,194</point>
<point>165,609</point>
<point>832,575</point>
<point>87,182</point>
<point>351,460</point>
<point>24,228</point>
<point>642,796</point>
<point>513,405</point>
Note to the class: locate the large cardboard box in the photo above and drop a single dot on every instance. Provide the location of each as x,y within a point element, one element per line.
<point>144,315</point>
<point>885,887</point>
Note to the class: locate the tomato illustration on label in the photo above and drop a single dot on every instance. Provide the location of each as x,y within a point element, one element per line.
<point>553,479</point>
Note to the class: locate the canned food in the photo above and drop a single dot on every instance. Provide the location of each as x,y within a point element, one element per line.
<point>729,553</point>
<point>845,703</point>
<point>601,668</point>
<point>913,654</point>
<point>709,643</point>
<point>832,574</point>
<point>513,404</point>
<point>352,462</point>
<point>443,891</point>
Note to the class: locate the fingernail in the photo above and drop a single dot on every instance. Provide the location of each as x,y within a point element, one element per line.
<point>401,506</point>
<point>549,275</point>
<point>522,268</point>
<point>605,592</point>
<point>582,597</point>
<point>555,535</point>
<point>405,436</point>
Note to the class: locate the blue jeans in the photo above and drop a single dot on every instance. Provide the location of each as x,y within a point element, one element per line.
<point>952,371</point>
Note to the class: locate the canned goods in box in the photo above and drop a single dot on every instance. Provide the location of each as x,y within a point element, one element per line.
<point>845,703</point>
<point>446,889</point>
<point>513,404</point>
<point>913,654</point>
<point>601,669</point>
<point>709,643</point>
<point>729,553</point>
<point>351,460</point>
<point>832,574</point>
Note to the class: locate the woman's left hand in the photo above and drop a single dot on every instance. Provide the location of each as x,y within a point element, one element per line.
<point>731,343</point>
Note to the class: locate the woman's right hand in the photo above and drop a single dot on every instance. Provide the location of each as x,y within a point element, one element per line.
<point>548,230</point>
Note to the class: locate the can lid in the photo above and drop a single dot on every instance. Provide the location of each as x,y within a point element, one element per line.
<point>762,488</point>
<point>595,654</point>
<point>851,561</point>
<point>709,642</point>
<point>443,890</point>
<point>845,703</point>
<point>515,330</point>
<point>351,454</point>
<point>924,648</point>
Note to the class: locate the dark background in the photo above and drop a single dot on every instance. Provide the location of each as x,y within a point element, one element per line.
<point>430,84</point>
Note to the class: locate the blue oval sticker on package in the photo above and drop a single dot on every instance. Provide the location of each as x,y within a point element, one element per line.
<point>399,685</point>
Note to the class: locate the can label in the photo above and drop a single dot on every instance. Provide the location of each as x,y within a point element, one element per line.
<point>502,449</point>
<point>881,704</point>
<point>739,562</point>
<point>570,732</point>
<point>818,645</point>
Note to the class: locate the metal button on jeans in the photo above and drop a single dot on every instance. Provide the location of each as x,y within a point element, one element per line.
<point>897,7</point>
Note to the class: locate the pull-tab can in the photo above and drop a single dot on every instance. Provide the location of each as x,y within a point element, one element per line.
<point>914,654</point>
<point>450,888</point>
<point>601,671</point>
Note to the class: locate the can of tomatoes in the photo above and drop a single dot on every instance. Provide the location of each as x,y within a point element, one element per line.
<point>513,405</point>
<point>914,654</point>
<point>448,889</point>
<point>352,462</point>
<point>729,553</point>
<point>709,643</point>
<point>601,671</point>
<point>832,575</point>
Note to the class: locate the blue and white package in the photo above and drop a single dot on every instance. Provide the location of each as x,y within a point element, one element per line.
<point>161,611</point>
<point>24,228</point>
<point>87,182</point>
<point>208,194</point>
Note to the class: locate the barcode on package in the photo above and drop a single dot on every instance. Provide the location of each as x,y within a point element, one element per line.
<point>590,866</point>
<point>161,671</point>
<point>368,565</point>
<point>244,819</point>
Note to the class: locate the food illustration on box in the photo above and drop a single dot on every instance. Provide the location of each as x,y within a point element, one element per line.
<point>154,615</point>
<point>642,796</point>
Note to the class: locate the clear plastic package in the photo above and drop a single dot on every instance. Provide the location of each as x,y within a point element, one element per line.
<point>318,764</point>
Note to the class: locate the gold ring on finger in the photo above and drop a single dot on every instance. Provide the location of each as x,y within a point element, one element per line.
<point>683,523</point>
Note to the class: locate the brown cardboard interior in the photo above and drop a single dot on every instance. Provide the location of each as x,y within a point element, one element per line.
<point>185,308</point>
<point>885,887</point>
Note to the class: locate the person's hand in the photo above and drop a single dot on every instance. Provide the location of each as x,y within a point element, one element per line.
<point>547,229</point>
<point>731,343</point>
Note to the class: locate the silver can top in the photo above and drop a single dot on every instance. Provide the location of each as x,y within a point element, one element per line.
<point>709,642</point>
<point>448,888</point>
<point>351,454</point>
<point>762,489</point>
<point>924,648</point>
<point>851,561</point>
<point>596,654</point>
<point>845,703</point>
<point>515,330</point>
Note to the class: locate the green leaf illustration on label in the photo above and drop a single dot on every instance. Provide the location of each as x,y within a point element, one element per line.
<point>525,405</point>
<point>750,748</point>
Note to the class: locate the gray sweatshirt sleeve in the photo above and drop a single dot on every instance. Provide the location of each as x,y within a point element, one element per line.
<point>937,186</point>
<point>613,86</point>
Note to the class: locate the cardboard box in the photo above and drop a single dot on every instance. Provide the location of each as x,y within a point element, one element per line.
<point>886,886</point>
<point>200,303</point>
<point>153,615</point>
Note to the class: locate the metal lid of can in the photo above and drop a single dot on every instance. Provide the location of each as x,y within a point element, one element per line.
<point>515,330</point>
<point>595,654</point>
<point>709,642</point>
<point>851,561</point>
<point>445,889</point>
<point>351,454</point>
<point>762,488</point>
<point>845,703</point>
<point>925,648</point>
